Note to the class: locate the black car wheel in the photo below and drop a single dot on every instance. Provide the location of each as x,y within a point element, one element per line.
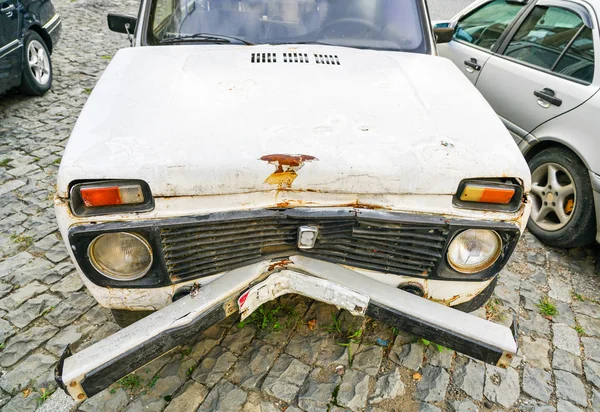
<point>562,210</point>
<point>479,300</point>
<point>36,77</point>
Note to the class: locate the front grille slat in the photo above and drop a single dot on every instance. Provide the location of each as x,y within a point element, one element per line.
<point>205,248</point>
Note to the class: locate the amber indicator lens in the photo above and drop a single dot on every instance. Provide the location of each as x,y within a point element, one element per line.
<point>487,194</point>
<point>96,196</point>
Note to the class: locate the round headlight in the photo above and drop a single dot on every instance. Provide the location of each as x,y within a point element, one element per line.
<point>474,250</point>
<point>121,256</point>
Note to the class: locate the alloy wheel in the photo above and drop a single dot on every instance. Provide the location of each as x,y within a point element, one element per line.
<point>554,196</point>
<point>39,62</point>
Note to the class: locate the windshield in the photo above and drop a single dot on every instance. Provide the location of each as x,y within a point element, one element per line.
<point>373,24</point>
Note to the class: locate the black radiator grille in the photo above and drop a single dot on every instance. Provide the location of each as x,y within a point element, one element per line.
<point>203,249</point>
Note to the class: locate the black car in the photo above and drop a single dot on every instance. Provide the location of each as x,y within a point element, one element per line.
<point>29,30</point>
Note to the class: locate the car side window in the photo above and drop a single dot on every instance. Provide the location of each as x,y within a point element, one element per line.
<point>484,26</point>
<point>557,40</point>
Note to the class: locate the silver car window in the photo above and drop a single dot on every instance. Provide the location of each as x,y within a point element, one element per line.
<point>484,26</point>
<point>555,39</point>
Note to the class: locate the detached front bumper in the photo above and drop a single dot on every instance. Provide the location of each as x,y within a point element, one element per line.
<point>88,372</point>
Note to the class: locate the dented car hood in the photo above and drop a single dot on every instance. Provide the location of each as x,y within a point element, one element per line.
<point>206,120</point>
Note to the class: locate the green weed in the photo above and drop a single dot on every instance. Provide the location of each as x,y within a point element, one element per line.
<point>130,381</point>
<point>5,162</point>
<point>546,307</point>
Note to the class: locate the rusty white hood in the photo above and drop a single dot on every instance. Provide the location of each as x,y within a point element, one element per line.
<point>200,120</point>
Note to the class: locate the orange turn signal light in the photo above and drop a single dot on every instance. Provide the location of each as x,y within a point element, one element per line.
<point>487,194</point>
<point>111,195</point>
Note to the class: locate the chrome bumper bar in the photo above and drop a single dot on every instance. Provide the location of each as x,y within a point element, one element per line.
<point>93,369</point>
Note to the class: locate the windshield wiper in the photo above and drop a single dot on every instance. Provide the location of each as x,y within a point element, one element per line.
<point>205,37</point>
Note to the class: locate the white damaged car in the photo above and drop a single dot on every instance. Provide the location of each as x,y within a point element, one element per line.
<point>243,150</point>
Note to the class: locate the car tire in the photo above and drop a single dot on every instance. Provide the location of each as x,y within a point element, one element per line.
<point>580,227</point>
<point>479,300</point>
<point>124,318</point>
<point>36,75</point>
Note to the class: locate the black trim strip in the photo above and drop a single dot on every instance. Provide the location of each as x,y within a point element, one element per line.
<point>441,336</point>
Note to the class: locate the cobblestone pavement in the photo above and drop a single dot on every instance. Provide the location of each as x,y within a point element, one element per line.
<point>297,354</point>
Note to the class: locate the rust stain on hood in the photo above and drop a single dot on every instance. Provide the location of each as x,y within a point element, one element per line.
<point>286,168</point>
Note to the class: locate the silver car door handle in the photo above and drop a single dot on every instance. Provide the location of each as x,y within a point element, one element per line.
<point>8,9</point>
<point>472,65</point>
<point>547,95</point>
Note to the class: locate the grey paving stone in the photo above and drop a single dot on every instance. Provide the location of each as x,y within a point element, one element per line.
<point>501,385</point>
<point>305,347</point>
<point>32,309</point>
<point>409,355</point>
<point>238,338</point>
<point>587,308</point>
<point>6,330</point>
<point>23,404</point>
<point>591,348</point>
<point>26,372</point>
<point>566,361</point>
<point>285,378</point>
<point>564,406</point>
<point>570,388</point>
<point>595,400</point>
<point>427,407</point>
<point>24,343</point>
<point>388,386</point>
<point>189,398</point>
<point>590,325</point>
<point>354,390</point>
<point>559,289</point>
<point>535,352</point>
<point>250,370</point>
<point>146,403</point>
<point>202,347</point>
<point>368,359</point>
<point>592,372</point>
<point>70,309</point>
<point>5,289</point>
<point>331,353</point>
<point>437,357</point>
<point>69,284</point>
<point>470,377</point>
<point>565,314</point>
<point>433,384</point>
<point>29,272</point>
<point>109,400</point>
<point>11,264</point>
<point>535,325</point>
<point>224,397</point>
<point>212,368</point>
<point>536,383</point>
<point>317,390</point>
<point>566,338</point>
<point>20,295</point>
<point>464,406</point>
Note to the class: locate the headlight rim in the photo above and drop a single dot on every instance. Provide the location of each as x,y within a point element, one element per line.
<point>480,268</point>
<point>104,273</point>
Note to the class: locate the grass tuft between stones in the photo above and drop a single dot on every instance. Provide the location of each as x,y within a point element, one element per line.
<point>546,307</point>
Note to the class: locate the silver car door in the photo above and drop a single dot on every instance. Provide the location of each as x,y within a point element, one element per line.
<point>476,35</point>
<point>545,66</point>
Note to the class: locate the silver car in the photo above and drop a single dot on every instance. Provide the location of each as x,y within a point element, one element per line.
<point>534,62</point>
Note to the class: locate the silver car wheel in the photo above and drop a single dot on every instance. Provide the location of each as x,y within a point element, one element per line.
<point>39,62</point>
<point>554,196</point>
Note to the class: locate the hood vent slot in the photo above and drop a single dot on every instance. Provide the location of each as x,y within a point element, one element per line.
<point>327,59</point>
<point>263,58</point>
<point>295,58</point>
